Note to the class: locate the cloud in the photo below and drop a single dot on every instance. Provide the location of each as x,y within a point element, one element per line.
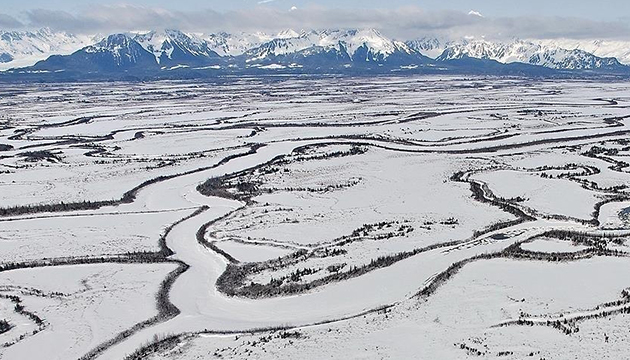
<point>9,22</point>
<point>112,19</point>
<point>401,23</point>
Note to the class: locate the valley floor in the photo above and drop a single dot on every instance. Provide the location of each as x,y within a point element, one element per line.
<point>281,218</point>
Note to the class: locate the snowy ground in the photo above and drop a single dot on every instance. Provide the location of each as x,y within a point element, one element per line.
<point>377,218</point>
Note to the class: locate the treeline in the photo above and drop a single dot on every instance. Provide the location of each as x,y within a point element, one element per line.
<point>563,256</point>
<point>515,252</point>
<point>611,199</point>
<point>322,189</point>
<point>479,193</point>
<point>497,226</point>
<point>21,310</point>
<point>40,155</point>
<point>470,350</point>
<point>165,251</point>
<point>166,311</point>
<point>602,153</point>
<point>201,239</point>
<point>217,186</point>
<point>294,277</point>
<point>303,156</point>
<point>158,345</point>
<point>587,170</point>
<point>446,275</point>
<point>568,326</point>
<point>328,252</point>
<point>5,326</point>
<point>60,207</point>
<point>127,258</point>
<point>394,229</point>
<point>597,246</point>
<point>235,276</point>
<point>583,238</point>
<point>245,189</point>
<point>128,197</point>
<point>233,280</point>
<point>483,194</point>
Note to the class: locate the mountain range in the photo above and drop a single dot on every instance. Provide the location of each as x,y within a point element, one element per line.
<point>173,53</point>
<point>25,48</point>
<point>528,52</point>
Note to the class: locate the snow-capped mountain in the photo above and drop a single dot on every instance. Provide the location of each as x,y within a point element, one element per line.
<point>357,46</point>
<point>226,44</point>
<point>172,53</point>
<point>24,48</point>
<point>122,49</point>
<point>173,47</point>
<point>429,46</point>
<point>602,48</point>
<point>517,51</point>
<point>117,52</point>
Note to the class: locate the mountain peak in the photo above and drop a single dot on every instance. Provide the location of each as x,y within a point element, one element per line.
<point>114,42</point>
<point>287,34</point>
<point>170,46</point>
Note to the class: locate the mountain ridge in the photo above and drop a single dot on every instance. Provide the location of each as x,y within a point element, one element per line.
<point>517,50</point>
<point>335,50</point>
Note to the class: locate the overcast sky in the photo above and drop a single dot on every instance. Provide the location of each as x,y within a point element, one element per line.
<point>605,19</point>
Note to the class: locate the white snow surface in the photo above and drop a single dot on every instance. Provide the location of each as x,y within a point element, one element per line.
<point>25,48</point>
<point>353,172</point>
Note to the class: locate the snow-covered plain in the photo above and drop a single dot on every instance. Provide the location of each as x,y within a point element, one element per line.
<point>315,218</point>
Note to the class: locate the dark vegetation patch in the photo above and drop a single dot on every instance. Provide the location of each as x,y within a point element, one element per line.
<point>233,281</point>
<point>570,326</point>
<point>40,155</point>
<point>5,326</point>
<point>247,184</point>
<point>159,344</point>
